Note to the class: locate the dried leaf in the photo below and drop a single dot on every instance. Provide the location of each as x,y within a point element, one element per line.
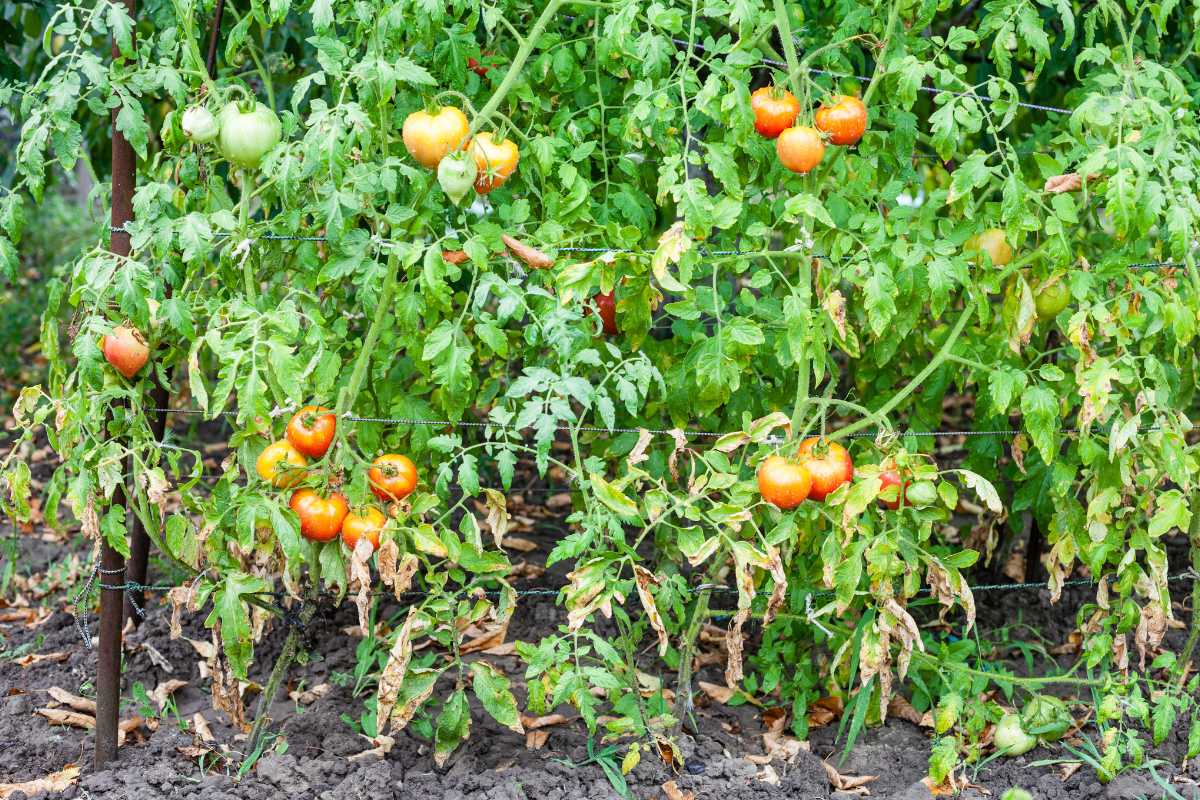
<point>535,723</point>
<point>1070,182</point>
<point>29,659</point>
<point>638,454</point>
<point>202,729</point>
<point>497,515</point>
<point>72,719</point>
<point>1151,629</point>
<point>519,544</point>
<point>360,582</point>
<point>164,690</point>
<point>536,740</point>
<point>779,592</point>
<point>394,571</point>
<point>72,701</point>
<point>533,258</point>
<point>899,706</point>
<point>455,257</point>
<point>310,696</point>
<point>673,792</point>
<point>835,307</point>
<point>645,580</point>
<point>717,693</point>
<point>485,637</point>
<point>392,677</point>
<point>383,746</point>
<point>53,783</point>
<point>854,784</point>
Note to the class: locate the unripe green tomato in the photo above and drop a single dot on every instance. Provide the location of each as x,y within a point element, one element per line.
<point>248,134</point>
<point>1046,717</point>
<point>1010,738</point>
<point>199,125</point>
<point>1050,299</point>
<point>456,175</point>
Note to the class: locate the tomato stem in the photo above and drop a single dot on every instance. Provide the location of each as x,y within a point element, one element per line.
<point>789,46</point>
<point>1189,649</point>
<point>244,229</point>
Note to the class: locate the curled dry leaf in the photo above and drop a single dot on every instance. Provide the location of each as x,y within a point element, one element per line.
<point>835,307</point>
<point>519,544</point>
<point>382,746</point>
<point>72,701</point>
<point>72,719</point>
<point>29,659</point>
<point>645,580</point>
<point>716,692</point>
<point>1070,182</point>
<point>200,725</point>
<point>533,258</point>
<point>55,783</point>
<point>392,677</point>
<point>310,696</point>
<point>164,690</point>
<point>638,454</point>
<point>497,515</point>
<point>536,740</point>
<point>673,792</point>
<point>395,571</point>
<point>360,582</point>
<point>854,784</point>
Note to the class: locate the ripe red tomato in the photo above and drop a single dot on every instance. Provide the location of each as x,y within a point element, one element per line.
<point>480,69</point>
<point>828,463</point>
<point>800,149</point>
<point>278,464</point>
<point>320,517</point>
<point>369,524</point>
<point>431,137</point>
<point>890,478</point>
<point>311,429</point>
<point>126,350</point>
<point>607,304</point>
<point>844,119</point>
<point>782,483</point>
<point>392,477</point>
<point>496,161</point>
<point>775,109</point>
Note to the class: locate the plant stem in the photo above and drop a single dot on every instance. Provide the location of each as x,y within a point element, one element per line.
<point>917,380</point>
<point>244,229</point>
<point>804,371</point>
<point>789,46</point>
<point>290,645</point>
<point>350,392</point>
<point>687,648</point>
<point>514,69</point>
<point>1189,649</point>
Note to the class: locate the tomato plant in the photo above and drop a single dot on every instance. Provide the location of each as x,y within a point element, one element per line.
<point>769,293</point>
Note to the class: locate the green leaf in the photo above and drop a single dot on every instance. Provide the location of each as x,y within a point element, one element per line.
<point>231,610</point>
<point>1039,407</point>
<point>453,726</point>
<point>492,688</point>
<point>613,498</point>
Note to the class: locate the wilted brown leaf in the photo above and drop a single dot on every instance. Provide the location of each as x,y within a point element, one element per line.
<point>673,792</point>
<point>29,659</point>
<point>645,580</point>
<point>717,693</point>
<point>72,719</point>
<point>392,677</point>
<point>202,729</point>
<point>55,782</point>
<point>536,740</point>
<point>360,582</point>
<point>312,695</point>
<point>853,784</point>
<point>824,711</point>
<point>533,258</point>
<point>164,690</point>
<point>72,701</point>
<point>519,544</point>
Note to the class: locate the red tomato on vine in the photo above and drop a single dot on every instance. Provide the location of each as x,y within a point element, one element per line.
<point>800,149</point>
<point>311,429</point>
<point>844,119</point>
<point>775,109</point>
<point>828,463</point>
<point>320,517</point>
<point>369,524</point>
<point>392,476</point>
<point>783,483</point>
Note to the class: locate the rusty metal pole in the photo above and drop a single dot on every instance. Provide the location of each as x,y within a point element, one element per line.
<point>112,563</point>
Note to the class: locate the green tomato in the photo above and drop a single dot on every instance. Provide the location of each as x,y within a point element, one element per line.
<point>921,494</point>
<point>1051,299</point>
<point>456,175</point>
<point>1010,738</point>
<point>199,125</point>
<point>248,135</point>
<point>1046,717</point>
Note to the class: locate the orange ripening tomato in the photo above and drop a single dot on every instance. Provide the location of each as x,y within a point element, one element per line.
<point>311,429</point>
<point>431,137</point>
<point>775,110</point>
<point>281,464</point>
<point>495,160</point>
<point>126,349</point>
<point>369,524</point>
<point>320,517</point>
<point>800,149</point>
<point>844,119</point>
<point>392,477</point>
<point>782,483</point>
<point>828,463</point>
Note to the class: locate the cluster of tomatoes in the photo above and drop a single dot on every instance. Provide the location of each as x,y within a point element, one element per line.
<point>244,131</point>
<point>309,434</point>
<point>819,468</point>
<point>431,135</point>
<point>842,121</point>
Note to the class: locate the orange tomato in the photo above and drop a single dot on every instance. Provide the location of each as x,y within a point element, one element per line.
<point>782,483</point>
<point>993,243</point>
<point>320,517</point>
<point>828,463</point>
<point>775,110</point>
<point>431,137</point>
<point>369,524</point>
<point>800,149</point>
<point>844,119</point>
<point>280,464</point>
<point>496,161</point>
<point>392,477</point>
<point>125,348</point>
<point>311,429</point>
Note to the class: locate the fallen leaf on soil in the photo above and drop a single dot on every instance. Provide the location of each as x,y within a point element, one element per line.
<point>767,775</point>
<point>484,637</point>
<point>673,792</point>
<point>523,570</point>
<point>900,707</point>
<point>854,784</point>
<point>32,617</point>
<point>533,257</point>
<point>72,701</point>
<point>73,719</point>
<point>558,501</point>
<point>55,782</point>
<point>716,692</point>
<point>383,746</point>
<point>205,650</point>
<point>164,690</point>
<point>534,723</point>
<point>522,545</point>
<point>193,752</point>
<point>1065,771</point>
<point>310,696</point>
<point>951,786</point>
<point>157,658</point>
<point>506,649</point>
<point>536,740</point>
<point>824,711</point>
<point>128,726</point>
<point>202,729</point>
<point>669,753</point>
<point>29,659</point>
